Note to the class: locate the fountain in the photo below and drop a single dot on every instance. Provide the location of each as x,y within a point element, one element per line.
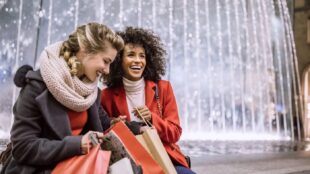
<point>232,63</point>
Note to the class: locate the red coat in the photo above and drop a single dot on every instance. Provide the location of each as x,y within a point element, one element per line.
<point>114,102</point>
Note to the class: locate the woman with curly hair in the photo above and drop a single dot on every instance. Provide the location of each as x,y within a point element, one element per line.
<point>59,104</point>
<point>136,92</point>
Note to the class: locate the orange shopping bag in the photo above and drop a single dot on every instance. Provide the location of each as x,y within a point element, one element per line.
<point>95,162</point>
<point>123,143</point>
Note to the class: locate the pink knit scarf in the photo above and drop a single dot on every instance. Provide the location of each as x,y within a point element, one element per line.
<point>71,92</point>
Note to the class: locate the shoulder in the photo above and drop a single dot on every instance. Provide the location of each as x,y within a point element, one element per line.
<point>35,81</point>
<point>110,90</point>
<point>107,94</point>
<point>159,83</point>
<point>26,78</point>
<point>32,87</point>
<point>107,90</point>
<point>164,84</point>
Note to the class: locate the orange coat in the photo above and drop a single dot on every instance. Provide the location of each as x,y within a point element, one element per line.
<point>114,102</point>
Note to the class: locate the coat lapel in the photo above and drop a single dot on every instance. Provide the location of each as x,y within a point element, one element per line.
<point>149,93</point>
<point>55,114</point>
<point>93,121</point>
<point>121,102</point>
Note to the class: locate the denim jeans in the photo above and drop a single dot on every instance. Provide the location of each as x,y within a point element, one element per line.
<point>183,170</point>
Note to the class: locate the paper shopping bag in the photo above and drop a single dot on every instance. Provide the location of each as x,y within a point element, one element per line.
<point>120,167</point>
<point>95,162</point>
<point>123,143</point>
<point>151,141</point>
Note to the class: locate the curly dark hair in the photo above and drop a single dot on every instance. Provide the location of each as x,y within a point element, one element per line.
<point>154,51</point>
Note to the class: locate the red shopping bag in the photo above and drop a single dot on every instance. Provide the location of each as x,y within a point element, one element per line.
<point>125,144</point>
<point>95,162</point>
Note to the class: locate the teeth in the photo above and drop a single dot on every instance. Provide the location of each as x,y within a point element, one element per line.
<point>135,67</point>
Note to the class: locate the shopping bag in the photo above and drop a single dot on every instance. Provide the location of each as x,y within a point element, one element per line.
<point>152,142</point>
<point>95,162</point>
<point>120,167</point>
<point>112,143</point>
<point>123,143</point>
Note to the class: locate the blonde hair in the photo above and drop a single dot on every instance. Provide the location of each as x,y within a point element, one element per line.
<point>93,37</point>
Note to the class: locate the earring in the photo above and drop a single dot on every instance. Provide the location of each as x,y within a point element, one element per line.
<point>73,65</point>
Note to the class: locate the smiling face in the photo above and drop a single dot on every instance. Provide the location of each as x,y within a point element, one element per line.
<point>96,64</point>
<point>133,62</point>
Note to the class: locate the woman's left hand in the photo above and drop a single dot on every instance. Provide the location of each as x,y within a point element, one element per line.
<point>143,112</point>
<point>118,119</point>
<point>86,143</point>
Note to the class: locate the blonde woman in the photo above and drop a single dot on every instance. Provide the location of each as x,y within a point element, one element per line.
<point>59,104</point>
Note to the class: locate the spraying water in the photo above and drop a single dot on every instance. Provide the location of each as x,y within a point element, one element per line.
<point>232,63</point>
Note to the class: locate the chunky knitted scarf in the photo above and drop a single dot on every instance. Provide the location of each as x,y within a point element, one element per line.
<point>71,92</point>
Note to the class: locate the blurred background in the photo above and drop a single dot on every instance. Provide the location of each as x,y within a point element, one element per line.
<point>239,68</point>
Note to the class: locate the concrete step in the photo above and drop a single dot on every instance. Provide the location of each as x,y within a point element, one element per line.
<point>264,163</point>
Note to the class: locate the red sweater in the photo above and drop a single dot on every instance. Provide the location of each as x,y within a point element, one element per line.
<point>77,121</point>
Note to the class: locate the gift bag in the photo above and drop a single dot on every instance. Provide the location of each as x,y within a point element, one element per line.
<point>151,141</point>
<point>118,150</point>
<point>96,161</point>
<point>123,143</point>
<point>120,167</point>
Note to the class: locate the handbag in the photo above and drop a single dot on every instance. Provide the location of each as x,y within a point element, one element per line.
<point>96,161</point>
<point>5,155</point>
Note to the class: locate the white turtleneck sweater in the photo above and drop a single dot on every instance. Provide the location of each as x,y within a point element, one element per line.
<point>135,95</point>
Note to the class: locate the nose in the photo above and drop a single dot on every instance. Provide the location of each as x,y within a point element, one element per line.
<point>137,58</point>
<point>105,69</point>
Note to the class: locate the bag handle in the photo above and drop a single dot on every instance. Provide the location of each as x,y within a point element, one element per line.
<point>93,139</point>
<point>148,123</point>
<point>157,101</point>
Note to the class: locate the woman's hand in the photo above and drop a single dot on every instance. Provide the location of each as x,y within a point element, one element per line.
<point>86,143</point>
<point>118,119</point>
<point>143,113</point>
<point>143,129</point>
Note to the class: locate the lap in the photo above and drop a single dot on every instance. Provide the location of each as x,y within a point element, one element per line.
<point>183,170</point>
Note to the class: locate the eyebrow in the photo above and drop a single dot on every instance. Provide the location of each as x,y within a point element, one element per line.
<point>130,51</point>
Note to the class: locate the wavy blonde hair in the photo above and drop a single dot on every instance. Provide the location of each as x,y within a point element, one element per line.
<point>93,37</point>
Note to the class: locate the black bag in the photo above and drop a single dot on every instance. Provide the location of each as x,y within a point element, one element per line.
<point>5,157</point>
<point>6,153</point>
<point>188,160</point>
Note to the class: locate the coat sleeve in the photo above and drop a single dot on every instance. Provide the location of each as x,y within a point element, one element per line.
<point>168,126</point>
<point>107,102</point>
<point>104,118</point>
<point>30,147</point>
